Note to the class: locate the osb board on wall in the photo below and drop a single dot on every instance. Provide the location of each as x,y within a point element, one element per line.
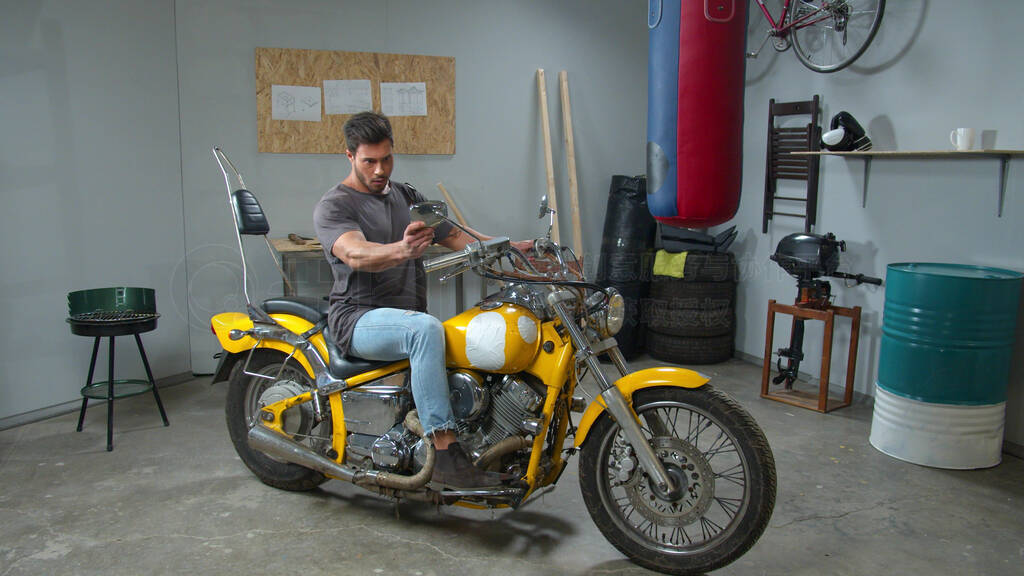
<point>430,134</point>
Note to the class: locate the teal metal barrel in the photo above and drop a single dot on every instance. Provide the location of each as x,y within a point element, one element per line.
<point>947,339</point>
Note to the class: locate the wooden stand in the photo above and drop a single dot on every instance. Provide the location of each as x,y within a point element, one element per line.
<point>822,402</point>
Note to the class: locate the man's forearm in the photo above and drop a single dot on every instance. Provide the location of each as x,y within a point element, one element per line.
<point>371,256</point>
<point>458,239</point>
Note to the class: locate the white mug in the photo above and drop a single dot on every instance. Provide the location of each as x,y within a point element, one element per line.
<point>962,138</point>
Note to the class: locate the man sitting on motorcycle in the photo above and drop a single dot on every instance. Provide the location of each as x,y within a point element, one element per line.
<point>378,302</point>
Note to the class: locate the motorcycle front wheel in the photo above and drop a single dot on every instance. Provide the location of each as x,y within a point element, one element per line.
<point>720,461</point>
<point>247,394</point>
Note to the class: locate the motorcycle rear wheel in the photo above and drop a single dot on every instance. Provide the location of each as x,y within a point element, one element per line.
<point>710,446</point>
<point>242,407</point>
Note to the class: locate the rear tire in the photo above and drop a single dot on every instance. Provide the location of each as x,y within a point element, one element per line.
<point>821,47</point>
<point>717,452</point>
<point>241,410</point>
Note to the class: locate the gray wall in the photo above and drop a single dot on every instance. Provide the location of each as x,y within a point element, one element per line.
<point>917,81</point>
<point>105,183</point>
<point>497,172</point>
<point>91,186</point>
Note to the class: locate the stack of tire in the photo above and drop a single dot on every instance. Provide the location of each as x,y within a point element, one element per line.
<point>627,255</point>
<point>691,314</point>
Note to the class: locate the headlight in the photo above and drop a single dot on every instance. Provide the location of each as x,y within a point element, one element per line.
<point>615,312</point>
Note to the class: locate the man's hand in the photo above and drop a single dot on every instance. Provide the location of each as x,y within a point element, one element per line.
<point>418,236</point>
<point>524,246</point>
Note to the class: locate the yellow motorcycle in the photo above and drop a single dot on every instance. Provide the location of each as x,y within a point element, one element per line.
<point>676,475</point>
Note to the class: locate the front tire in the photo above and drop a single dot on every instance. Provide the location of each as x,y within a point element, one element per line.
<point>714,449</point>
<point>243,405</point>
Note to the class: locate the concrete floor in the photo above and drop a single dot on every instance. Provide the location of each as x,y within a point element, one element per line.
<point>178,500</point>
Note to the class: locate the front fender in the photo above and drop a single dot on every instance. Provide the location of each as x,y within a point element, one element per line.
<point>630,383</point>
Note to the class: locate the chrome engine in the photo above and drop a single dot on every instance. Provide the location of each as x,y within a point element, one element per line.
<point>515,404</point>
<point>487,408</point>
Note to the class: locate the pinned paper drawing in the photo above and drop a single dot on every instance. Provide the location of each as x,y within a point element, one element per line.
<point>347,96</point>
<point>295,103</point>
<point>403,98</point>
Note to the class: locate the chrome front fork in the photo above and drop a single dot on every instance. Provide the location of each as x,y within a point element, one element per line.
<point>614,401</point>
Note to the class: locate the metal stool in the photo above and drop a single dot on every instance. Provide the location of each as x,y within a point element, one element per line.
<point>112,312</point>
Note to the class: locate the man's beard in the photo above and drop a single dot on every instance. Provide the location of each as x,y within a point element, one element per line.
<point>370,185</point>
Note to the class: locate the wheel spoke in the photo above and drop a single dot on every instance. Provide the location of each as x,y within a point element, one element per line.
<point>628,514</point>
<point>657,427</point>
<point>675,419</point>
<point>679,536</point>
<point>648,528</point>
<point>730,505</point>
<point>708,528</point>
<point>702,424</point>
<point>721,445</point>
<point>734,475</point>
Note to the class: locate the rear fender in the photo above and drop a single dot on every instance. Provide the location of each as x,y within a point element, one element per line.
<point>225,363</point>
<point>236,350</point>
<point>630,383</point>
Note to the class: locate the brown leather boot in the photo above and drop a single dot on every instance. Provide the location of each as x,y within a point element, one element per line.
<point>454,469</point>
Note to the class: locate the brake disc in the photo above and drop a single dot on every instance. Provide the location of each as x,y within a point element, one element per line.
<point>685,464</point>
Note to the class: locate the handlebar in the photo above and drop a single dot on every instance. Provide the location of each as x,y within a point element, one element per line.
<point>859,278</point>
<point>446,260</point>
<point>474,254</point>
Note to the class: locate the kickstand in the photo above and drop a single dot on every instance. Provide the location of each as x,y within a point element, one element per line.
<point>398,515</point>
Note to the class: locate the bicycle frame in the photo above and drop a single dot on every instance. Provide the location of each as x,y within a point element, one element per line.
<point>780,28</point>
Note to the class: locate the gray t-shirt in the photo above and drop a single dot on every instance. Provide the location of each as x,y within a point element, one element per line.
<point>382,218</point>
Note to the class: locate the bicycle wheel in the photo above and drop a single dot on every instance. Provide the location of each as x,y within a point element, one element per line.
<point>835,33</point>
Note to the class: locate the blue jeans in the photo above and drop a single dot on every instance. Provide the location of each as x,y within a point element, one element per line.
<point>394,334</point>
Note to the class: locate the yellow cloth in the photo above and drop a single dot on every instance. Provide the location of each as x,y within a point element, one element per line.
<point>668,264</point>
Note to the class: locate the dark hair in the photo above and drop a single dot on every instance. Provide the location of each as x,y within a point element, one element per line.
<point>367,128</point>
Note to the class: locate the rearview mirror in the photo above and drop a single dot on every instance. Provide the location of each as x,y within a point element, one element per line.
<point>431,213</point>
<point>543,206</point>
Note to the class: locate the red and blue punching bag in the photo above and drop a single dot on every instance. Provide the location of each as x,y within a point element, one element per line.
<point>695,78</point>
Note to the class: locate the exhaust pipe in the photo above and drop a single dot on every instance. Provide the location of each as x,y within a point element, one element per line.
<point>506,446</point>
<point>283,448</point>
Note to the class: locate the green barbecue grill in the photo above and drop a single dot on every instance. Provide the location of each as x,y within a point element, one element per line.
<point>112,312</point>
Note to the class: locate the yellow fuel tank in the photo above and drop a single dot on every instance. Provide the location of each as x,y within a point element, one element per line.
<point>503,339</point>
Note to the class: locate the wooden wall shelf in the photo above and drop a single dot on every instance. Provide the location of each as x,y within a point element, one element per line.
<point>1003,156</point>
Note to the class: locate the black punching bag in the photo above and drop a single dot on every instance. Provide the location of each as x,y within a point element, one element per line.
<point>627,254</point>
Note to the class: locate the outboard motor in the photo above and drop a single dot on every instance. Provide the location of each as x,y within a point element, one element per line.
<point>809,257</point>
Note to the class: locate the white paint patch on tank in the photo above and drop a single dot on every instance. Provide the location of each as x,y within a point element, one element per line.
<point>527,329</point>
<point>485,341</point>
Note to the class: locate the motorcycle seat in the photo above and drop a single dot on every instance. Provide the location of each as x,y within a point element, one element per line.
<point>309,308</point>
<point>342,367</point>
<point>315,310</point>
